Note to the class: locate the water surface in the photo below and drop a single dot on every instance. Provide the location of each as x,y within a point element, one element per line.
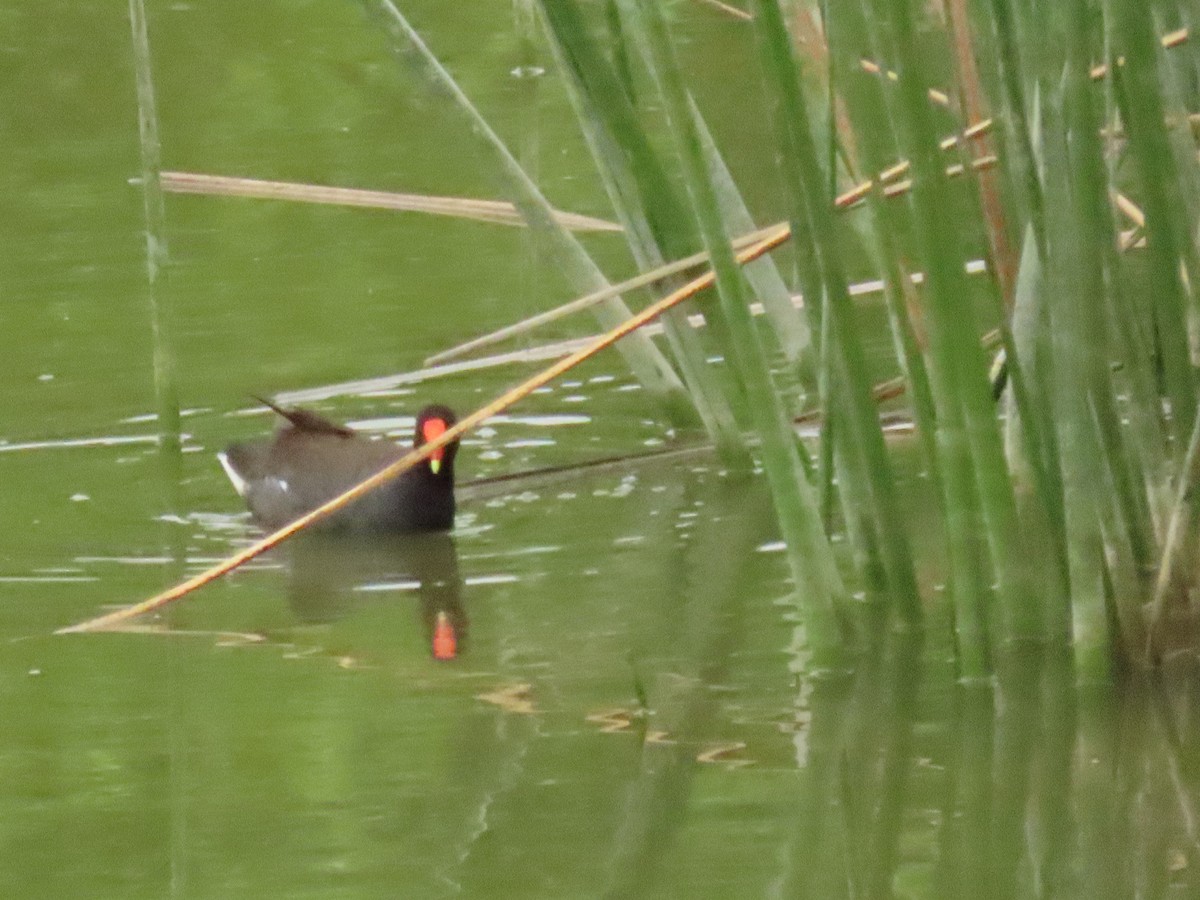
<point>628,712</point>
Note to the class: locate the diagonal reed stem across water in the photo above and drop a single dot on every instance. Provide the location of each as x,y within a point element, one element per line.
<point>410,459</point>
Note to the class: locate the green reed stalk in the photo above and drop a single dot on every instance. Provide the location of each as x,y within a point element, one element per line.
<point>648,364</point>
<point>1103,527</point>
<point>1129,312</point>
<point>158,295</point>
<point>1076,438</point>
<point>1178,555</point>
<point>629,175</point>
<point>874,138</point>
<point>1033,366</point>
<point>958,365</point>
<point>1166,222</point>
<point>166,392</point>
<point>644,200</point>
<point>967,50</point>
<point>849,35</point>
<point>817,578</point>
<point>968,576</point>
<point>863,456</point>
<point>1180,97</point>
<point>791,329</point>
<point>628,149</point>
<point>1029,404</point>
<point>1020,144</point>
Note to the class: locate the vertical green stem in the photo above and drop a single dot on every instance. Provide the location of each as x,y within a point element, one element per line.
<point>165,388</point>
<point>816,575</point>
<point>1166,228</point>
<point>865,457</point>
<point>959,367</point>
<point>644,201</point>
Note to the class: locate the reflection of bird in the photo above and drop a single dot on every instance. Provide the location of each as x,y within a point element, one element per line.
<point>311,460</point>
<point>444,640</point>
<point>332,574</point>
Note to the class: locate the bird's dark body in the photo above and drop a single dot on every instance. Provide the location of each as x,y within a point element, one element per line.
<point>311,460</point>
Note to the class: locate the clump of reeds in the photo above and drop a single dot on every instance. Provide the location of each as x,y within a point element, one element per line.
<point>1065,130</point>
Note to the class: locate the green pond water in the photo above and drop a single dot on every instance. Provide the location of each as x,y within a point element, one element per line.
<point>628,712</point>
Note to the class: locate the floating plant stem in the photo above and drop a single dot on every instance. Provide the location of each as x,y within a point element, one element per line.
<point>497,212</point>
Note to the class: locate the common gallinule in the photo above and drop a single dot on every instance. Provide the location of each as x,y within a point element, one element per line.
<point>311,460</point>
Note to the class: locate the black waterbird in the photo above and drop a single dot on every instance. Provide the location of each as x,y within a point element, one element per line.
<point>311,460</point>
